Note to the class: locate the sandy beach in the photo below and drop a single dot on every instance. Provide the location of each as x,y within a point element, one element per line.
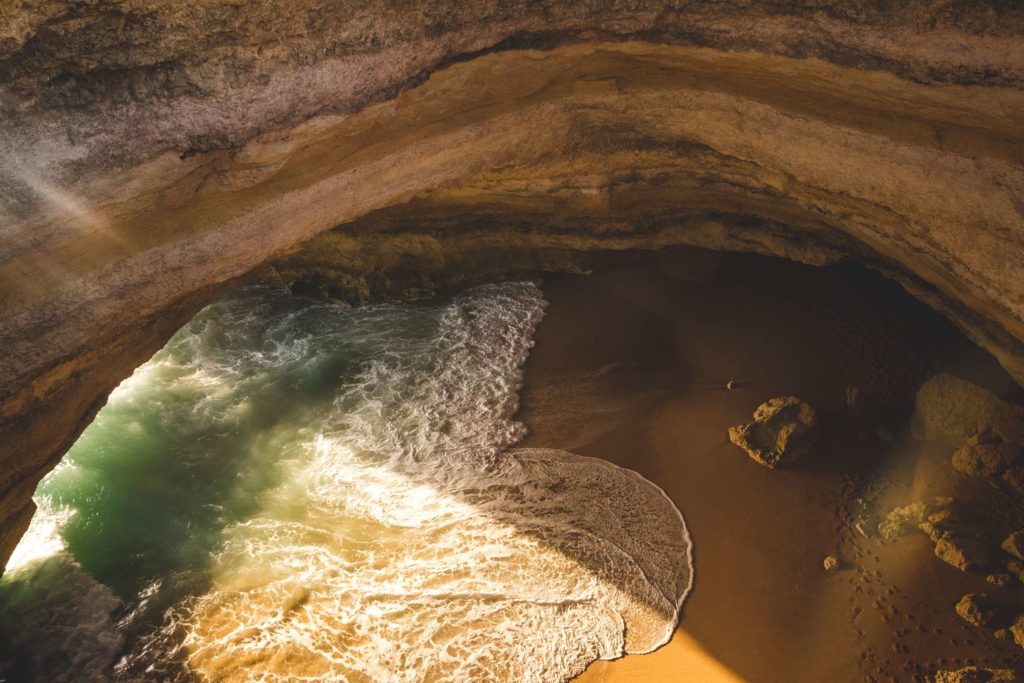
<point>630,365</point>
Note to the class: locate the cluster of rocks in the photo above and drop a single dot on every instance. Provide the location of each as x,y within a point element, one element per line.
<point>982,611</point>
<point>956,543</point>
<point>908,519</point>
<point>986,431</point>
<point>975,674</point>
<point>967,549</point>
<point>784,430</point>
<point>987,434</point>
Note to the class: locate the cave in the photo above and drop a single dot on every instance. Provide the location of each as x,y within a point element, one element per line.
<point>628,227</point>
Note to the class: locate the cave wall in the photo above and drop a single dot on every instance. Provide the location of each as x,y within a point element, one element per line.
<point>157,153</point>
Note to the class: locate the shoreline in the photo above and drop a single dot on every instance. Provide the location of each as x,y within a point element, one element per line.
<point>630,366</point>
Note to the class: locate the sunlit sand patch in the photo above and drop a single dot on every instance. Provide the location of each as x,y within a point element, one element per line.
<point>683,659</point>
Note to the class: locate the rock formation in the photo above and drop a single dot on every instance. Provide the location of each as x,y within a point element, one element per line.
<point>783,430</point>
<point>984,458</point>
<point>1017,630</point>
<point>978,609</point>
<point>952,411</point>
<point>1014,544</point>
<point>975,674</point>
<point>156,153</point>
<point>908,519</point>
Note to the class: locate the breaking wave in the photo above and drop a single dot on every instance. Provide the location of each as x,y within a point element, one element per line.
<point>294,490</point>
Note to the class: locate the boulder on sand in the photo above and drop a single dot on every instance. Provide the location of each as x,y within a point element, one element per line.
<point>950,410</point>
<point>783,430</point>
<point>966,553</point>
<point>981,457</point>
<point>1014,544</point>
<point>978,609</point>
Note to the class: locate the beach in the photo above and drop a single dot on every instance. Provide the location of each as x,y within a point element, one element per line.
<point>631,365</point>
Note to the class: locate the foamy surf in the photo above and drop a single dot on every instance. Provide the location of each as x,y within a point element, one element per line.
<point>378,527</point>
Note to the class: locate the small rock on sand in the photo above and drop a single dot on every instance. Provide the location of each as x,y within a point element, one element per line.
<point>974,674</point>
<point>980,610</point>
<point>1014,544</point>
<point>831,563</point>
<point>963,552</point>
<point>985,459</point>
<point>783,430</point>
<point>1017,630</point>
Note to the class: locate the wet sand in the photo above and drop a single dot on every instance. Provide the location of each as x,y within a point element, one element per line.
<point>630,365</point>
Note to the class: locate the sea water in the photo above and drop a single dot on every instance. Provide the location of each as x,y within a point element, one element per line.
<point>295,490</point>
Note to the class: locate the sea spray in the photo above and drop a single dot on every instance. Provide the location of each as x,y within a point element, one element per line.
<point>333,498</point>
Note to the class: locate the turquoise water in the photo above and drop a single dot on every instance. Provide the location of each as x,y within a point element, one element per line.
<point>293,489</point>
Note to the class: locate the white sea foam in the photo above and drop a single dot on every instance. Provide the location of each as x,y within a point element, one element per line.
<point>403,544</point>
<point>42,539</point>
<point>401,539</point>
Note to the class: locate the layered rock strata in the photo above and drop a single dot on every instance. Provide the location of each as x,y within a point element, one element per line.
<point>156,152</point>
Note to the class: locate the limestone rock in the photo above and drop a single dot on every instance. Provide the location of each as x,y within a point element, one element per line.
<point>944,512</point>
<point>1017,630</point>
<point>783,430</point>
<point>902,521</point>
<point>932,531</point>
<point>985,459</point>
<point>950,410</point>
<point>964,552</point>
<point>926,517</point>
<point>974,674</point>
<point>1014,544</point>
<point>980,610</point>
<point>191,128</point>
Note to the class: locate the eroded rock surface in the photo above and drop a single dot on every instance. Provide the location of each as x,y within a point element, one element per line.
<point>951,410</point>
<point>977,674</point>
<point>985,459</point>
<point>980,610</point>
<point>782,432</point>
<point>156,152</point>
<point>965,552</point>
<point>1014,544</point>
<point>1017,630</point>
<point>930,517</point>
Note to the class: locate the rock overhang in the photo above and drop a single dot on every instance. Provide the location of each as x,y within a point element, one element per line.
<point>152,164</point>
